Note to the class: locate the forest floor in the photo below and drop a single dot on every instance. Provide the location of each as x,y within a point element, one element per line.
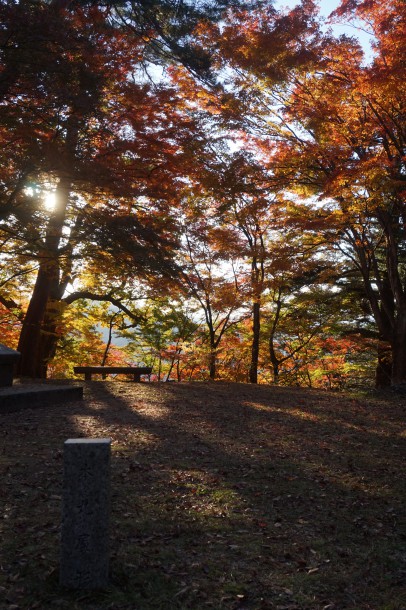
<point>224,496</point>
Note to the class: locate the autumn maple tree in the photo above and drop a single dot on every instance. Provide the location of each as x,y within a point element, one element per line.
<point>243,158</point>
<point>208,283</point>
<point>90,152</point>
<point>328,124</point>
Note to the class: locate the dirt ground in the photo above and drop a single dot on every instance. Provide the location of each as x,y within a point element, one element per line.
<point>223,496</point>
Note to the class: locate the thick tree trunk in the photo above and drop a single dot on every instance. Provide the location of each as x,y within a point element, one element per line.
<point>391,369</point>
<point>31,362</point>
<point>383,373</point>
<point>38,337</point>
<point>399,351</point>
<point>50,334</point>
<point>256,327</point>
<point>385,289</point>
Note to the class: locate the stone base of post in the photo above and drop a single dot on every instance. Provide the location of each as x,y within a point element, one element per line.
<point>85,514</point>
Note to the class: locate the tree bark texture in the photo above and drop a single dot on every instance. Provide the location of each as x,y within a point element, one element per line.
<point>38,337</point>
<point>383,373</point>
<point>256,327</point>
<point>381,270</point>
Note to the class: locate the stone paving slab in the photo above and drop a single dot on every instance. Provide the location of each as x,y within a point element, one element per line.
<point>31,396</point>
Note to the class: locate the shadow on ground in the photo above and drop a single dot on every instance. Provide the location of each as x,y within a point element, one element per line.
<point>224,496</point>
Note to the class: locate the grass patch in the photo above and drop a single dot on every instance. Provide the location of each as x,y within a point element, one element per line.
<point>224,496</point>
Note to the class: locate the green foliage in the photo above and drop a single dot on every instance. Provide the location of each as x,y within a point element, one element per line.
<point>162,336</point>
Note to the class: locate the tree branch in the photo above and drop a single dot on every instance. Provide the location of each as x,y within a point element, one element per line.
<point>108,298</point>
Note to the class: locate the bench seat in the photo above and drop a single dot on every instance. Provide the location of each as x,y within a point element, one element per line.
<point>135,371</point>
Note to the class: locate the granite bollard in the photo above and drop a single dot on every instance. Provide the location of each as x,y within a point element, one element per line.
<point>8,359</point>
<point>85,514</point>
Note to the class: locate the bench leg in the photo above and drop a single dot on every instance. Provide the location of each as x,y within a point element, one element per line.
<point>88,377</point>
<point>137,377</point>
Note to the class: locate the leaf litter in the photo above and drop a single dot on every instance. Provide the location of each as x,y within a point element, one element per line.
<point>223,496</point>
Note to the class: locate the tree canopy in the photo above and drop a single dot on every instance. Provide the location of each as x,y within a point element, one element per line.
<point>222,184</point>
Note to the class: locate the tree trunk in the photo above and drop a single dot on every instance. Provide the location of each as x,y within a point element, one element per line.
<point>175,358</point>
<point>272,353</point>
<point>256,327</point>
<point>399,351</point>
<point>38,337</point>
<point>159,366</point>
<point>50,334</point>
<point>383,373</point>
<point>212,364</point>
<point>108,344</point>
<point>275,371</point>
<point>29,345</point>
<point>388,300</point>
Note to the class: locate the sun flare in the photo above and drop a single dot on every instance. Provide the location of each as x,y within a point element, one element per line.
<point>49,200</point>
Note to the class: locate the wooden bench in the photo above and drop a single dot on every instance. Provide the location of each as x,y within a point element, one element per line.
<point>135,371</point>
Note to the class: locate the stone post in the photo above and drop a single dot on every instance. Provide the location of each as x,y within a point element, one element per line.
<point>8,359</point>
<point>85,514</point>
